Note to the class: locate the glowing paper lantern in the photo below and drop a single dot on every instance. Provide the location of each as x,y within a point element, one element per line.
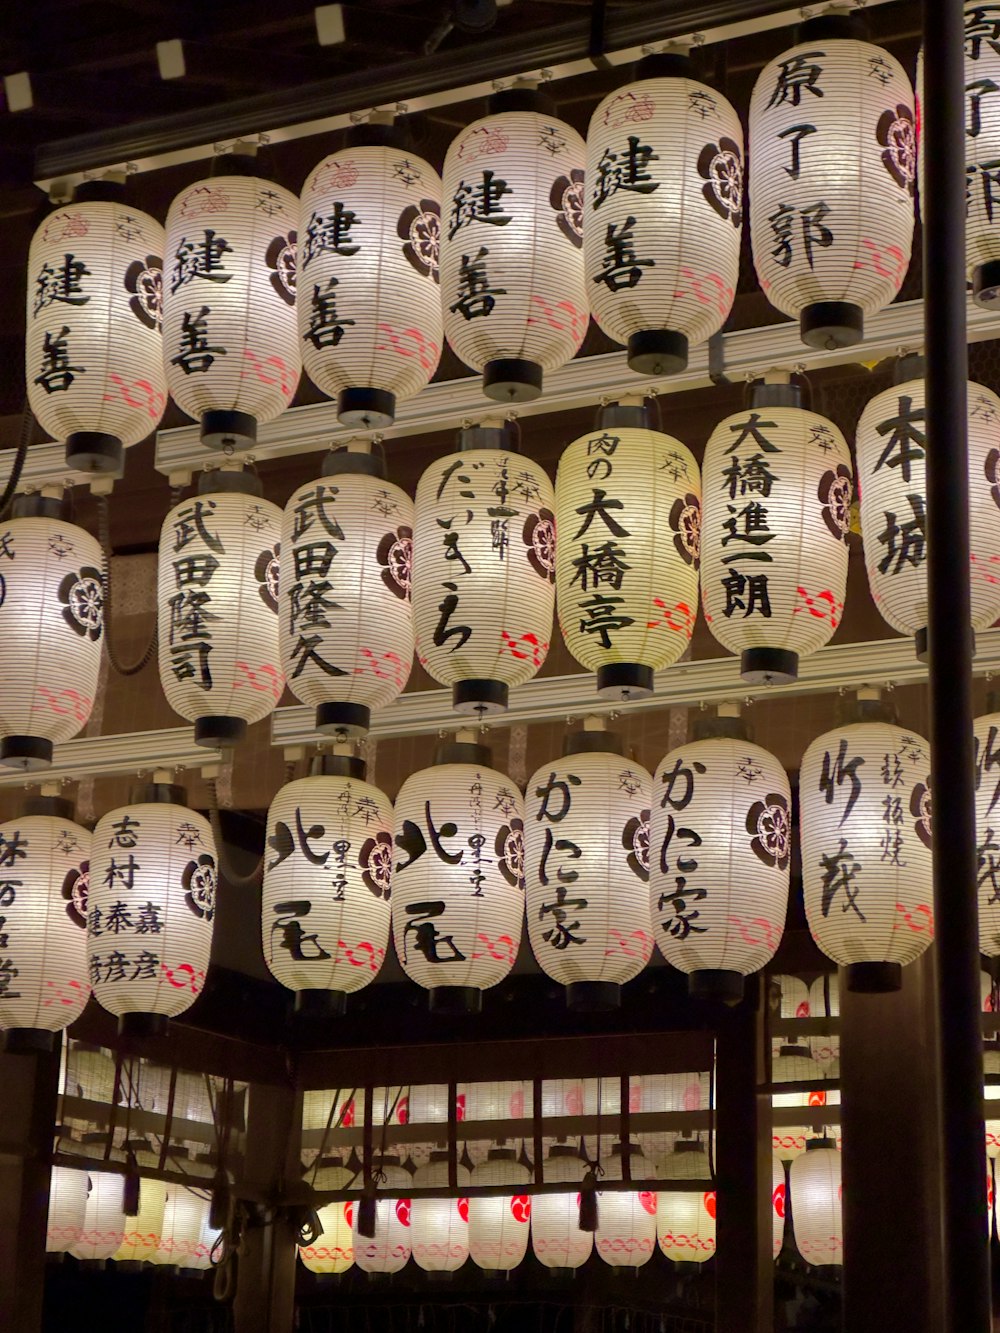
<point>664,213</point>
<point>991,1094</point>
<point>512,280</point>
<point>668,1092</point>
<point>498,1227</point>
<point>217,599</point>
<point>795,1064</point>
<point>483,570</point>
<point>824,1002</point>
<point>891,447</point>
<point>370,319</point>
<point>93,346</point>
<point>230,340</point>
<point>333,1251</point>
<point>45,857</point>
<point>685,1221</point>
<point>817,1223</point>
<point>866,850</point>
<point>458,882</point>
<point>389,1249</point>
<point>144,1232</point>
<point>556,1238</point>
<point>346,619</point>
<point>779,1200</point>
<point>777,511</point>
<point>628,513</point>
<point>587,869</point>
<point>440,1227</point>
<point>720,845</point>
<point>51,622</point>
<point>626,1220</point>
<point>67,1209</point>
<point>104,1220</point>
<point>832,176</point>
<point>183,1220</point>
<point>152,908</point>
<point>492,1101</point>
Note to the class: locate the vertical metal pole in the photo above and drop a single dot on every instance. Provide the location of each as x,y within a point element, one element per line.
<point>966,1244</point>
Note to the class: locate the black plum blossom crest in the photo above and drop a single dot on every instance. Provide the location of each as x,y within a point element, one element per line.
<point>144,280</point>
<point>82,596</point>
<point>266,572</point>
<point>419,228</point>
<point>509,847</point>
<point>280,259</point>
<point>198,882</point>
<point>395,555</point>
<point>770,830</point>
<point>685,522</point>
<point>721,167</point>
<point>920,809</point>
<point>834,493</point>
<point>76,891</point>
<point>567,197</point>
<point>375,859</point>
<point>540,539</point>
<point>635,840</point>
<point>895,132</point>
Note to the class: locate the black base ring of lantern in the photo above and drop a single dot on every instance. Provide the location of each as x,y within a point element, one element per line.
<point>479,696</point>
<point>218,730</point>
<point>715,984</point>
<point>986,284</point>
<point>348,719</point>
<point>830,324</point>
<point>28,1041</point>
<point>510,379</point>
<point>625,680</point>
<point>687,1266</point>
<point>139,1026</point>
<point>456,1000</point>
<point>593,997</point>
<point>94,451</point>
<point>228,430</point>
<point>313,1005</point>
<point>658,352</point>
<point>769,666</point>
<point>29,753</point>
<point>874,978</point>
<point>562,1274</point>
<point>128,1265</point>
<point>371,409</point>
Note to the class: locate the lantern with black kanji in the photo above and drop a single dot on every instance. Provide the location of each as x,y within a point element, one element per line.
<point>346,621</point>
<point>439,1228</point>
<point>369,312</point>
<point>499,1226</point>
<point>93,345</point>
<point>664,213</point>
<point>865,833</point>
<point>327,874</point>
<point>230,340</point>
<point>51,622</point>
<point>628,514</point>
<point>891,447</point>
<point>151,907</point>
<point>777,511</point>
<point>217,599</point>
<point>720,849</point>
<point>458,881</point>
<point>587,869</point>
<point>512,279</point>
<point>832,151</point>
<point>333,1250</point>
<point>986,732</point>
<point>483,569</point>
<point>626,1219</point>
<point>816,1194</point>
<point>388,1250</point>
<point>685,1219</point>
<point>556,1238</point>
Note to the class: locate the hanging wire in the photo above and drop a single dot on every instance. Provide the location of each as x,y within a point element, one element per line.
<point>104,537</point>
<point>254,879</point>
<point>324,1142</point>
<point>27,423</point>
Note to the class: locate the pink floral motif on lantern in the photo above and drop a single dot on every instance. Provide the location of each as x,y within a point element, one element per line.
<point>629,109</point>
<point>486,141</point>
<point>203,199</point>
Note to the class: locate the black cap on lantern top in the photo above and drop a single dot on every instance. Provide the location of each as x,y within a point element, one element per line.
<point>337,766</point>
<point>512,379</point>
<point>520,99</point>
<point>763,393</point>
<point>56,806</point>
<point>139,1027</point>
<point>218,731</point>
<point>104,191</point>
<point>479,696</point>
<point>230,481</point>
<point>624,680</point>
<point>463,752</point>
<point>593,997</point>
<point>29,1041</point>
<point>158,793</point>
<point>375,134</point>
<point>623,416</point>
<point>833,27</point>
<point>36,506</point>
<point>27,753</point>
<point>319,1005</point>
<point>828,325</point>
<point>366,408</point>
<point>94,451</point>
<point>716,985</point>
<point>235,164</point>
<point>487,437</point>
<point>591,742</point>
<point>909,366</point>
<point>657,352</point>
<point>814,1145</point>
<point>769,666</point>
<point>342,719</point>
<point>340,462</point>
<point>228,430</point>
<point>665,65</point>
<point>874,978</point>
<point>712,728</point>
<point>455,1000</point>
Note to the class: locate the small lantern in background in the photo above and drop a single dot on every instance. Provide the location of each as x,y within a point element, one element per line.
<point>685,1221</point>
<point>669,1092</point>
<point>183,1223</point>
<point>779,1203</point>
<point>794,1064</point>
<point>104,1220</point>
<point>815,1188</point>
<point>439,1228</point>
<point>498,1227</point>
<point>67,1209</point>
<point>333,1251</point>
<point>626,1219</point>
<point>144,1231</point>
<point>556,1238</point>
<point>389,1249</point>
<point>824,1002</point>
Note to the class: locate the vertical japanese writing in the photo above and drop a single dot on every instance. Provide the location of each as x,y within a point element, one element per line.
<point>747,480</point>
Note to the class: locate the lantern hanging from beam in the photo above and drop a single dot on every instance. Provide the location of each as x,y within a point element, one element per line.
<point>815,1188</point>
<point>664,213</point>
<point>183,1220</point>
<point>93,345</point>
<point>628,514</point>
<point>389,1249</point>
<point>626,1219</point>
<point>144,1232</point>
<point>230,340</point>
<point>685,1220</point>
<point>492,1101</point>
<point>333,1251</point>
<point>440,1227</point>
<point>512,276</point>
<point>832,151</point>
<point>794,1064</point>
<point>556,1238</point>
<point>499,1227</point>
<point>104,1220</point>
<point>668,1092</point>
<point>67,1209</point>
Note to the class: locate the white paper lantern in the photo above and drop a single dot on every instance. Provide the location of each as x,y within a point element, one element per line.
<point>333,1251</point>
<point>512,279</point>
<point>483,570</point>
<point>440,1227</point>
<point>824,1002</point>
<point>556,1238</point>
<point>685,1220</point>
<point>493,1101</point>
<point>720,846</point>
<point>183,1220</point>
<point>991,1095</point>
<point>51,622</point>
<point>44,860</point>
<point>795,1064</point>
<point>587,869</point>
<point>628,513</point>
<point>832,153</point>
<point>327,874</point>
<point>217,600</point>
<point>370,320</point>
<point>144,1232</point>
<point>499,1227</point>
<point>815,1188</point>
<point>669,1092</point>
<point>93,345</point>
<point>389,1249</point>
<point>89,1072</point>
<point>866,849</point>
<point>779,1196</point>
<point>458,881</point>
<point>67,1209</point>
<point>664,213</point>
<point>777,511</point>
<point>206,1248</point>
<point>626,1220</point>
<point>230,340</point>
<point>151,908</point>
<point>104,1220</point>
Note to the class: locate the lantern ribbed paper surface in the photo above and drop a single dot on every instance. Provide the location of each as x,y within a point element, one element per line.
<point>685,1223</point>
<point>51,622</point>
<point>587,868</point>
<point>333,1252</point>
<point>512,279</point>
<point>891,447</point>
<point>217,604</point>
<point>556,1238</point>
<point>230,340</point>
<point>628,514</point>
<point>104,1221</point>
<point>720,846</point>
<point>865,833</point>
<point>327,872</point>
<point>369,313</point>
<point>183,1218</point>
<point>986,731</point>
<point>815,1189</point>
<point>626,1220</point>
<point>664,215</point>
<point>777,511</point>
<point>824,1002</point>
<point>796,1065</point>
<point>93,346</point>
<point>483,572</point>
<point>67,1209</point>
<point>440,1227</point>
<point>779,1192</point>
<point>152,908</point>
<point>668,1092</point>
<point>832,155</point>
<point>346,617</point>
<point>144,1232</point>
<point>493,1101</point>
<point>389,1249</point>
<point>498,1228</point>
<point>991,1095</point>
